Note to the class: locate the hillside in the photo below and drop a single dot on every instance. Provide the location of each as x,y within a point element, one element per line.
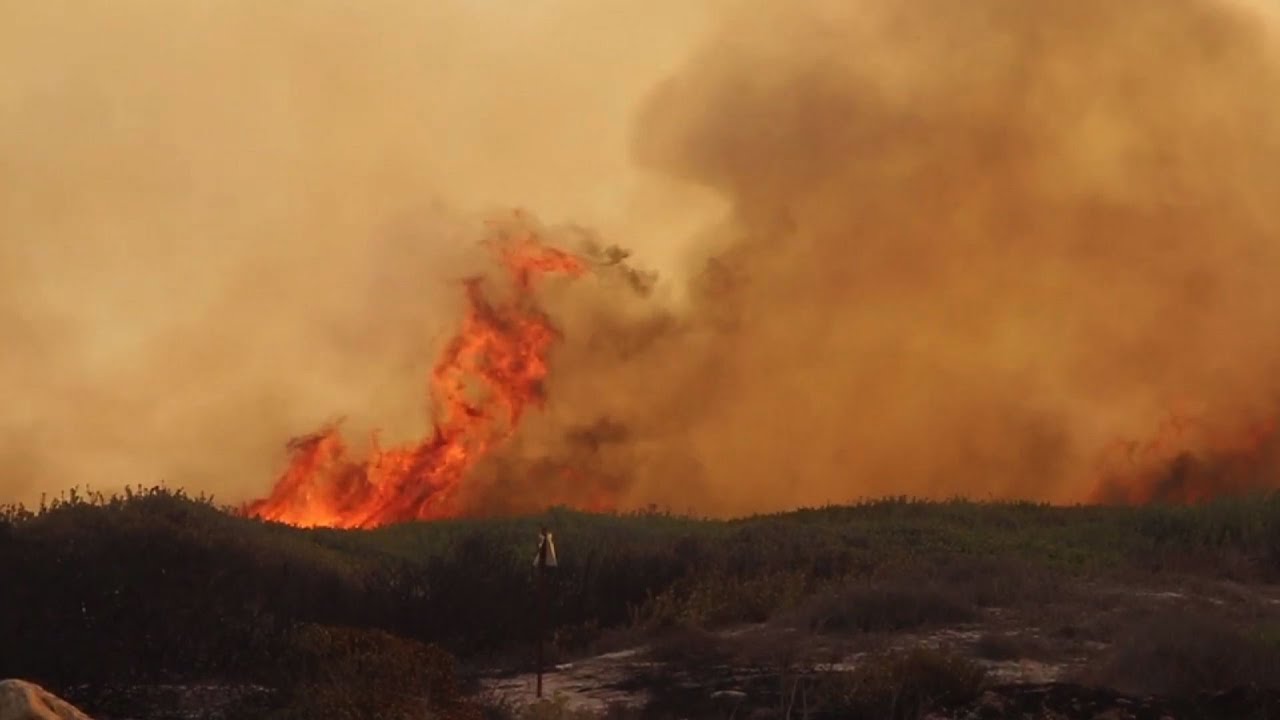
<point>158,588</point>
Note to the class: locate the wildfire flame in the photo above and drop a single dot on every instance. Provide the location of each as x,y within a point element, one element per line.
<point>489,374</point>
<point>492,371</point>
<point>1189,460</point>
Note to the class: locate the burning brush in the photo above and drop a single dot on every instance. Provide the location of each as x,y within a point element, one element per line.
<point>489,374</point>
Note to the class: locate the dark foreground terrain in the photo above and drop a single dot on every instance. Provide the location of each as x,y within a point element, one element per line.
<point>155,605</point>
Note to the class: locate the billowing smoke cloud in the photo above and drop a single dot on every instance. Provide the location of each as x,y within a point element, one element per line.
<point>966,245</point>
<point>224,222</point>
<point>970,243</point>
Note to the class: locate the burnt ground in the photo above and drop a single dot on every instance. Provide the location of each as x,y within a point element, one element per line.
<point>1108,649</point>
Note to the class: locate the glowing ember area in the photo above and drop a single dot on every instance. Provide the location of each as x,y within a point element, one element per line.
<point>486,378</point>
<point>1190,461</point>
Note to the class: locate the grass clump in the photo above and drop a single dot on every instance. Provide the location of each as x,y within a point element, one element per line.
<point>886,608</point>
<point>350,674</point>
<point>904,685</point>
<point>1182,653</point>
<point>558,708</point>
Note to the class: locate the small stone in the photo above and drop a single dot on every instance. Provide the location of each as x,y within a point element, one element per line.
<point>990,706</point>
<point>991,699</point>
<point>22,700</point>
<point>732,696</point>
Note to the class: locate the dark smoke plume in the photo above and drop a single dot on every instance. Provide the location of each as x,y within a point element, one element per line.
<point>969,244</point>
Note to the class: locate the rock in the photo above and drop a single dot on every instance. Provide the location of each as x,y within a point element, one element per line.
<point>21,700</point>
<point>989,707</point>
<point>729,696</point>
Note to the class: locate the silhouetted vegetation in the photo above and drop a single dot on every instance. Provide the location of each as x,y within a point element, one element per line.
<point>901,686</point>
<point>157,586</point>
<point>1185,652</point>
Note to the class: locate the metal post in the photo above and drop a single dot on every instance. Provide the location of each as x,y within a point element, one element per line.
<point>542,616</point>
<point>540,571</point>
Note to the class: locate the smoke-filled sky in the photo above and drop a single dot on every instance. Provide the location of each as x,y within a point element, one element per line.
<point>930,247</point>
<point>225,221</point>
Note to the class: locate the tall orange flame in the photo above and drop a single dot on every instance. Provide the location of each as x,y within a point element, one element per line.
<point>486,378</point>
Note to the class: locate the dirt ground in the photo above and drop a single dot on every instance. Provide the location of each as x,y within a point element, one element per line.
<point>1156,648</point>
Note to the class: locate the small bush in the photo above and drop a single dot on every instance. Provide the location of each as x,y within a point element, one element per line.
<point>686,645</point>
<point>884,608</point>
<point>716,600</point>
<point>1001,647</point>
<point>903,686</point>
<point>348,674</point>
<point>998,581</point>
<point>1183,653</point>
<point>558,708</point>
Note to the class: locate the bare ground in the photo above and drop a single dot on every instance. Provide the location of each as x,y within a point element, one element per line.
<point>1154,647</point>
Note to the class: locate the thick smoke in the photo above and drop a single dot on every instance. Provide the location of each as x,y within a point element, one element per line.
<point>970,243</point>
<point>225,222</point>
<point>967,244</point>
